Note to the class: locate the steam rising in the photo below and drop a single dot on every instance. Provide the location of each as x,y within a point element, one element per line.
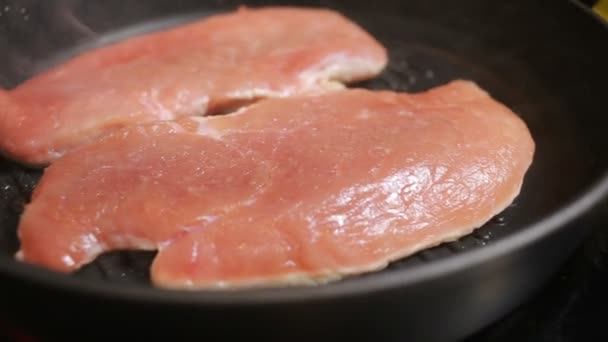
<point>36,35</point>
<point>33,30</point>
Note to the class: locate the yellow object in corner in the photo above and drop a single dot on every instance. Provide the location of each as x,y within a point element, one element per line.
<point>601,8</point>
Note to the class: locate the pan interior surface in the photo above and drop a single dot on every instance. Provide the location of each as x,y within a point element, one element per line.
<point>538,67</point>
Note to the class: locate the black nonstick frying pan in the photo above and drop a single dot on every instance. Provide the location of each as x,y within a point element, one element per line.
<point>545,59</point>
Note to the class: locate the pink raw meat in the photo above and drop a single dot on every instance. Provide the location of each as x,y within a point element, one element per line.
<point>299,190</point>
<point>200,68</point>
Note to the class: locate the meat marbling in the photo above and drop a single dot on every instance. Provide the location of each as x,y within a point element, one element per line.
<point>299,190</point>
<point>199,68</point>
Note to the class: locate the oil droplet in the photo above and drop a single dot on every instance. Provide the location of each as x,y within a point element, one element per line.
<point>455,246</point>
<point>499,220</point>
<point>482,238</point>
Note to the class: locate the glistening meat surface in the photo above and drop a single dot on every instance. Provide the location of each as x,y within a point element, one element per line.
<point>204,67</point>
<point>298,190</point>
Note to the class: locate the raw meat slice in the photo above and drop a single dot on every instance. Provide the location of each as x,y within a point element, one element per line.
<point>200,68</point>
<point>297,190</point>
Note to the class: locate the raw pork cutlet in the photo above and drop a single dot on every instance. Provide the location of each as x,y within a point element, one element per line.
<point>298,190</point>
<point>200,68</point>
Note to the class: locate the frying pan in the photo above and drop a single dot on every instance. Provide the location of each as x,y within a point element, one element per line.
<point>541,58</point>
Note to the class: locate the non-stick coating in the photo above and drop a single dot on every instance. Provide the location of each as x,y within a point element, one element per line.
<point>542,61</point>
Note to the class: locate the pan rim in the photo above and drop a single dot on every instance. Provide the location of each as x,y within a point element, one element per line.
<point>559,219</point>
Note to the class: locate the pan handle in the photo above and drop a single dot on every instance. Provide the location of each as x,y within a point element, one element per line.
<point>600,7</point>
